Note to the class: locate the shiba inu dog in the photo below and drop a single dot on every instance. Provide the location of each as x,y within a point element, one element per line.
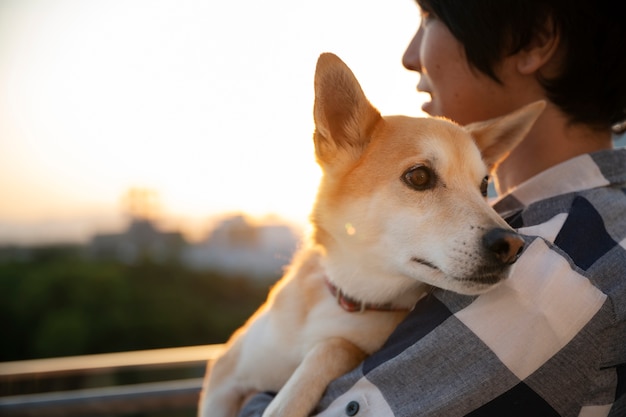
<point>401,207</point>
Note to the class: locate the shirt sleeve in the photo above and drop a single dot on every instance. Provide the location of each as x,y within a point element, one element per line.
<point>257,405</point>
<point>532,341</point>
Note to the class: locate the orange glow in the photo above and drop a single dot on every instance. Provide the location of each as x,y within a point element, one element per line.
<point>207,103</point>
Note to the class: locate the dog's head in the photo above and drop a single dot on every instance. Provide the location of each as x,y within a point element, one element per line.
<point>402,200</point>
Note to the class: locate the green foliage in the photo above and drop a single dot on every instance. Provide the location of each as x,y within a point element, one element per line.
<point>67,305</point>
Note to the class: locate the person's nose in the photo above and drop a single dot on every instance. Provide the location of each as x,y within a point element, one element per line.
<point>411,57</point>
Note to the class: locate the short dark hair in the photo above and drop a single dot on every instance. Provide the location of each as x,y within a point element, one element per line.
<point>591,87</point>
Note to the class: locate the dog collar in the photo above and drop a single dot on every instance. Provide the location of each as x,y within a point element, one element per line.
<point>353,306</point>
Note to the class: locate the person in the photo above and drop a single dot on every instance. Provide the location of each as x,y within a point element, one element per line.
<point>551,340</point>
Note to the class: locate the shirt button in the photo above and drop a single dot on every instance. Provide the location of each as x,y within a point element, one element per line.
<point>352,408</point>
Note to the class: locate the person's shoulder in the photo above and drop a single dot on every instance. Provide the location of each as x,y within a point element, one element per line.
<point>588,231</point>
<point>612,164</point>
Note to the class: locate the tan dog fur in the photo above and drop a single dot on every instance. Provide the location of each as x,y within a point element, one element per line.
<point>375,237</point>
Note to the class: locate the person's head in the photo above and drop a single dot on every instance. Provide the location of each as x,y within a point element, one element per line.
<point>481,58</point>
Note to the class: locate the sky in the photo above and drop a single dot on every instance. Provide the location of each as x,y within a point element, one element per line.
<point>207,104</point>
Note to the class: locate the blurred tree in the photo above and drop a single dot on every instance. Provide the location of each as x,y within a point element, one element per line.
<point>56,306</point>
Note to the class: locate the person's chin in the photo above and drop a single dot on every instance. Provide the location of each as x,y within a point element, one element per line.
<point>428,107</point>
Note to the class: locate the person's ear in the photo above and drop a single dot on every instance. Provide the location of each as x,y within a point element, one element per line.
<point>540,50</point>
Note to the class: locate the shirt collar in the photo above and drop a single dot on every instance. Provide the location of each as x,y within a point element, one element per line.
<point>581,173</point>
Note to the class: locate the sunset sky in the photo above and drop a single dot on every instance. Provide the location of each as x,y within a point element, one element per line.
<point>207,103</point>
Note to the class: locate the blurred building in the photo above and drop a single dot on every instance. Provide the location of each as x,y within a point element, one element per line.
<point>140,242</point>
<point>238,247</point>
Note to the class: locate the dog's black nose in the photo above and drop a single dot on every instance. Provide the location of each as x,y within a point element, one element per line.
<point>506,245</point>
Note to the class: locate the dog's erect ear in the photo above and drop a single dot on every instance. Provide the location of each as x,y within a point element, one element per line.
<point>497,137</point>
<point>344,118</point>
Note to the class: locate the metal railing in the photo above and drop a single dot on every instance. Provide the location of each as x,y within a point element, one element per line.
<point>31,388</point>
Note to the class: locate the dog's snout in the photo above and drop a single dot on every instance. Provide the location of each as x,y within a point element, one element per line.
<point>506,245</point>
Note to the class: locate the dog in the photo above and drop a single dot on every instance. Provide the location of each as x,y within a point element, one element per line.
<point>401,207</point>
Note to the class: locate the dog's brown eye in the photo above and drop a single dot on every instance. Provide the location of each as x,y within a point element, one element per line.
<point>419,177</point>
<point>484,185</point>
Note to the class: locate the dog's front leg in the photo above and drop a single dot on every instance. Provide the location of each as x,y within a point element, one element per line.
<point>328,360</point>
<point>222,392</point>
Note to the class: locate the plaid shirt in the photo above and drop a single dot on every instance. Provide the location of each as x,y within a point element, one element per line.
<point>549,341</point>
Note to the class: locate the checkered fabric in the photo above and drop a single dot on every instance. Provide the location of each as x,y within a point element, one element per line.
<point>550,341</point>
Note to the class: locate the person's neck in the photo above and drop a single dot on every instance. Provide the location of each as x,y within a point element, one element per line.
<point>551,141</point>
